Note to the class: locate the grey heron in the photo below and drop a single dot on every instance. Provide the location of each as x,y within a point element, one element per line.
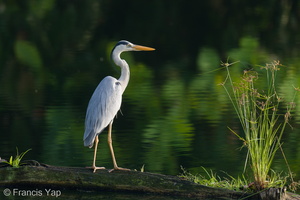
<point>106,102</point>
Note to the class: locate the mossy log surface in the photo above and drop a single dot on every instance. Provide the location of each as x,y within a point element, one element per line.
<point>71,178</point>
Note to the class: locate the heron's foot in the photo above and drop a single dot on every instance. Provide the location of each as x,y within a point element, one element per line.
<point>94,168</point>
<point>118,168</point>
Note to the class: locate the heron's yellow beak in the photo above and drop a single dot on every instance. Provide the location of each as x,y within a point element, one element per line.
<point>142,48</point>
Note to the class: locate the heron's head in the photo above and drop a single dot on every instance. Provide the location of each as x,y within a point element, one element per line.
<point>124,45</point>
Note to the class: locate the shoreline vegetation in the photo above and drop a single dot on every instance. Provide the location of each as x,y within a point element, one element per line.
<point>259,113</point>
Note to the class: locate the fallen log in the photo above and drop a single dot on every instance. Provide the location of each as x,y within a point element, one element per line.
<point>82,179</point>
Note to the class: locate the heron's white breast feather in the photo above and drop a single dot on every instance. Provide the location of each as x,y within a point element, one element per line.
<point>103,106</point>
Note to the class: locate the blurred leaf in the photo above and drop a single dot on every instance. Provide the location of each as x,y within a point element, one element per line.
<point>207,60</point>
<point>28,54</point>
<point>40,8</point>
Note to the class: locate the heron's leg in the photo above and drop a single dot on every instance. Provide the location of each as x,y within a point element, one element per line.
<point>109,140</point>
<point>95,155</point>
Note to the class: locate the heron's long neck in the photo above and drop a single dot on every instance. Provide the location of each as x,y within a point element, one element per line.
<point>125,73</point>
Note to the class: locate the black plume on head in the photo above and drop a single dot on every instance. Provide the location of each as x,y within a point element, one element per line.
<point>125,42</point>
<point>121,42</point>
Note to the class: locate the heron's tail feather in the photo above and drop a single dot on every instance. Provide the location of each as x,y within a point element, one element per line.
<point>89,139</point>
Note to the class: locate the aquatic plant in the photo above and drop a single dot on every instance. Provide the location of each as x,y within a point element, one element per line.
<point>16,162</point>
<point>258,113</point>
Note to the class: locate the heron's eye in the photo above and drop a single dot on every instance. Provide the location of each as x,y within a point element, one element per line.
<point>129,45</point>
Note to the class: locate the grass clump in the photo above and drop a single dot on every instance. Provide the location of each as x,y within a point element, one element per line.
<point>258,113</point>
<point>263,126</point>
<point>211,179</point>
<point>16,162</point>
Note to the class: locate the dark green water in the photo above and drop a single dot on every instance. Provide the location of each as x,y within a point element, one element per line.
<point>53,54</point>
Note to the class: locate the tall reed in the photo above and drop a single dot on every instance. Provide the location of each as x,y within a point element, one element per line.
<point>258,113</point>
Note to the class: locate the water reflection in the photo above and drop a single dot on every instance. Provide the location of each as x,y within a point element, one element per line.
<point>161,126</point>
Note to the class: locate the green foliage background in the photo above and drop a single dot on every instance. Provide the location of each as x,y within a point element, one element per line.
<point>53,53</point>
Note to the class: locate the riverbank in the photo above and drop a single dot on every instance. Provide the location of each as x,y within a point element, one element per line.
<point>55,178</point>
